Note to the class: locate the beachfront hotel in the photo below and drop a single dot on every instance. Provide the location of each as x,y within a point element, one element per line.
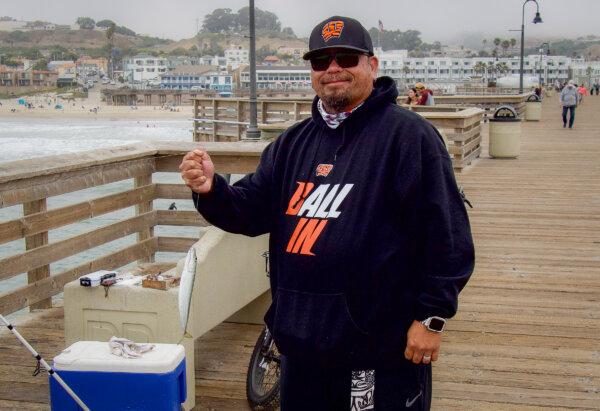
<point>143,67</point>
<point>456,70</point>
<point>190,77</point>
<point>278,77</point>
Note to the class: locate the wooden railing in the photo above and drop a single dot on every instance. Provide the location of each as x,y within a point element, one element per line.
<point>486,102</point>
<point>29,183</point>
<point>226,119</point>
<point>461,129</point>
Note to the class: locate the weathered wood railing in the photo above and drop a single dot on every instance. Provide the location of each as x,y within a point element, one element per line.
<point>225,119</point>
<point>486,102</point>
<point>461,129</point>
<point>30,183</point>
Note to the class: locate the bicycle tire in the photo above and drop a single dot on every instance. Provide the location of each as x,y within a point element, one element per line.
<point>264,360</point>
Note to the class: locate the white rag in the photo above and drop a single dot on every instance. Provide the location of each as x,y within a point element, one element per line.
<point>122,347</point>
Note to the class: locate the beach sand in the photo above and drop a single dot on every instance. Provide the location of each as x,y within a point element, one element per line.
<point>44,107</point>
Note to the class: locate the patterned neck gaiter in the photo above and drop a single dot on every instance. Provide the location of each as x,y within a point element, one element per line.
<point>334,120</point>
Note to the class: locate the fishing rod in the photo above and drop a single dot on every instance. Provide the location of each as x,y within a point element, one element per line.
<point>43,362</point>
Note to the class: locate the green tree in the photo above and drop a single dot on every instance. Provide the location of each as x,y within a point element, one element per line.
<point>220,21</point>
<point>287,31</point>
<point>105,23</point>
<point>502,68</point>
<point>18,36</point>
<point>263,19</point>
<point>41,64</point>
<point>396,39</point>
<point>124,31</point>
<point>85,23</point>
<point>505,46</point>
<point>480,67</point>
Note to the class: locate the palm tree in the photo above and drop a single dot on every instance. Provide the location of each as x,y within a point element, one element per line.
<point>491,69</point>
<point>513,43</point>
<point>484,41</point>
<point>110,35</point>
<point>497,42</point>
<point>480,68</point>
<point>505,45</point>
<point>502,68</point>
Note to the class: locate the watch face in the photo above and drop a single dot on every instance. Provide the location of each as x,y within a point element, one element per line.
<point>436,324</point>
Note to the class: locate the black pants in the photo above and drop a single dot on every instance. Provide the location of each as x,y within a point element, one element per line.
<point>571,117</point>
<point>307,387</point>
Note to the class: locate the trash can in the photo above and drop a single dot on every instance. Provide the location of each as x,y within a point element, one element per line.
<point>505,133</point>
<point>103,381</point>
<point>533,108</point>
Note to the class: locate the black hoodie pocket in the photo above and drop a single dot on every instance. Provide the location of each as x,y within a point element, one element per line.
<point>305,323</point>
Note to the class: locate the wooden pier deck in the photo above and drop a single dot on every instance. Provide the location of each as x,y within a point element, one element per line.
<point>527,335</point>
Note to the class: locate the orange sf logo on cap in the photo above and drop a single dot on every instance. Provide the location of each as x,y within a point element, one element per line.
<point>332,29</point>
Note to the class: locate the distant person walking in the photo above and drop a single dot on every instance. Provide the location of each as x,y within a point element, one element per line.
<point>426,94</point>
<point>569,97</point>
<point>596,87</point>
<point>582,91</point>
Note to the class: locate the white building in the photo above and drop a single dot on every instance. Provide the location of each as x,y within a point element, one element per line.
<point>142,68</point>
<point>586,72</point>
<point>236,57</point>
<point>197,78</point>
<point>219,61</point>
<point>454,70</point>
<point>278,78</point>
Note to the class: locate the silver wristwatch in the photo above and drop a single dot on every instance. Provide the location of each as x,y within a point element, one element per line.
<point>435,324</point>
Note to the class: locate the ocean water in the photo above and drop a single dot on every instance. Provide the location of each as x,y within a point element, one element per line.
<point>30,138</point>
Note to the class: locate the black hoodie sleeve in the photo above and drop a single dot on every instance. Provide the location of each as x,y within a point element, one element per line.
<point>447,244</point>
<point>244,207</point>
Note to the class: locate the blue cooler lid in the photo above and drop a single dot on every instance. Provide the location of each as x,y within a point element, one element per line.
<point>96,356</point>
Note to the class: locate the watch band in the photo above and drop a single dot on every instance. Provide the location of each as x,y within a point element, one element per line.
<point>435,324</point>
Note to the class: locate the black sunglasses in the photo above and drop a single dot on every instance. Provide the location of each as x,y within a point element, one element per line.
<point>344,60</point>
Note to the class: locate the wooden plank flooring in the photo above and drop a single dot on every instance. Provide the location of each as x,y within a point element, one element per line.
<point>527,336</point>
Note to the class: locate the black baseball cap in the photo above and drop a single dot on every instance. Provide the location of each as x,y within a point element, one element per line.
<point>339,32</point>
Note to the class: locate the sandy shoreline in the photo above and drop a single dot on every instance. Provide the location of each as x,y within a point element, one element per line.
<point>90,108</point>
<point>104,113</point>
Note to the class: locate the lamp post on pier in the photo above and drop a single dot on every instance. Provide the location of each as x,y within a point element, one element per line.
<point>253,131</point>
<point>537,19</point>
<point>541,52</point>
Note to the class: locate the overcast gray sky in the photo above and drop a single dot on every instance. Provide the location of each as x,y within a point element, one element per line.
<point>436,19</point>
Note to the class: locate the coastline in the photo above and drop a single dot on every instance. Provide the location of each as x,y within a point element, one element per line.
<point>82,111</point>
<point>92,107</point>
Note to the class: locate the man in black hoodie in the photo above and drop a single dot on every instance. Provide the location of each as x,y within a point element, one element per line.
<point>370,242</point>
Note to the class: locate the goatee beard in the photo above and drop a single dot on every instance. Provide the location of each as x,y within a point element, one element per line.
<point>336,103</point>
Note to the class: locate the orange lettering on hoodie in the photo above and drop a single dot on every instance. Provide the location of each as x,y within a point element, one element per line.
<point>298,198</point>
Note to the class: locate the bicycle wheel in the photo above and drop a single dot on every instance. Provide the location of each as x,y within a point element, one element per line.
<point>262,380</point>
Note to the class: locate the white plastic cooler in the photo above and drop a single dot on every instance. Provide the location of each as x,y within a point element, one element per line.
<point>104,381</point>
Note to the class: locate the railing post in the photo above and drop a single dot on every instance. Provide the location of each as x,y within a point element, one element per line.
<point>263,112</point>
<point>35,241</point>
<point>215,107</point>
<point>240,118</point>
<point>142,208</point>
<point>195,132</point>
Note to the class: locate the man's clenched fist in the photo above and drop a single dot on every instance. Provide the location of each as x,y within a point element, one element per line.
<point>197,170</point>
